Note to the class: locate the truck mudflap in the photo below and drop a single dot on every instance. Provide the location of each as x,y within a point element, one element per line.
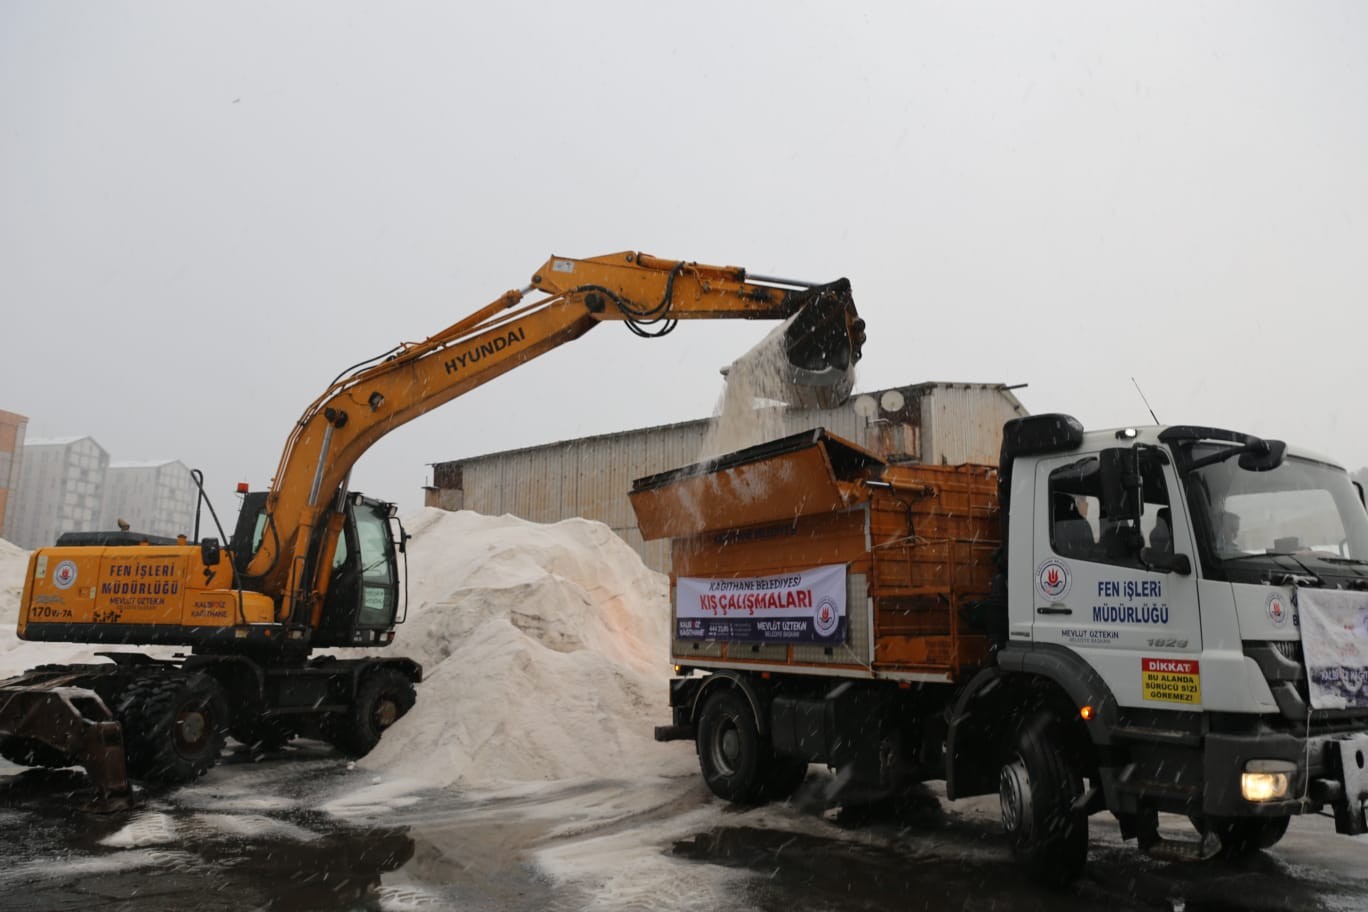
<point>1347,795</point>
<point>55,725</point>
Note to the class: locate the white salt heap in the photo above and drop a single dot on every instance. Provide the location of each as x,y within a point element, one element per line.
<point>545,652</point>
<point>15,654</point>
<point>544,649</point>
<point>13,565</point>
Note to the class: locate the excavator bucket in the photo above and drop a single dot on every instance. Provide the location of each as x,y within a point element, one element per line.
<point>808,360</point>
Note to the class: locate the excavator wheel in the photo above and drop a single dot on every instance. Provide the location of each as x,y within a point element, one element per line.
<point>174,726</point>
<point>383,697</point>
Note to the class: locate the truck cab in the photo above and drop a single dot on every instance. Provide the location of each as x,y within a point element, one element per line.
<point>1193,603</point>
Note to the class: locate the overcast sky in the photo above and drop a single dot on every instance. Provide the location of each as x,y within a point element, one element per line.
<point>208,210</point>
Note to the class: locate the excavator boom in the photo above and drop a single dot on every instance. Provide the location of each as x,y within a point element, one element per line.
<point>822,338</point>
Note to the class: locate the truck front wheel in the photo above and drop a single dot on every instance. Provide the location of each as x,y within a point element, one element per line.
<point>1038,787</point>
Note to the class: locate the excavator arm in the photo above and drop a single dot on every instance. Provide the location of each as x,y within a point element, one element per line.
<point>821,342</point>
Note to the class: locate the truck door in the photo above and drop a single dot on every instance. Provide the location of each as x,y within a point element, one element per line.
<point>1096,591</point>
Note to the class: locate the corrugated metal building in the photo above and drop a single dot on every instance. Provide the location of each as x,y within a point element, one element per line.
<point>946,423</point>
<point>153,497</point>
<point>12,428</point>
<point>61,490</point>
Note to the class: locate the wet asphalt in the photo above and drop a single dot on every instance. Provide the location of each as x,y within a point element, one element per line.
<point>254,835</point>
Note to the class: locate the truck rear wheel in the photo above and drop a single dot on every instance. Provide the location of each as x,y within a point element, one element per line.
<point>174,726</point>
<point>384,696</point>
<point>1038,786</point>
<point>737,762</point>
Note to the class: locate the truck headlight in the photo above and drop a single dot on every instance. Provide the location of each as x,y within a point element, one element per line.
<point>1266,780</point>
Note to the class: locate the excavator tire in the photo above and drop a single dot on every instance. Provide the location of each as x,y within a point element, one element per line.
<point>384,696</point>
<point>174,725</point>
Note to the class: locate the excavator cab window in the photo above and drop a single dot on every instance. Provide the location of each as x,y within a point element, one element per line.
<point>379,592</point>
<point>250,529</point>
<point>363,595</point>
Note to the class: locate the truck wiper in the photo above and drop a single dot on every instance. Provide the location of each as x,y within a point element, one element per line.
<point>1344,560</point>
<point>1255,455</point>
<point>1293,556</point>
<point>1241,557</point>
<point>1288,555</point>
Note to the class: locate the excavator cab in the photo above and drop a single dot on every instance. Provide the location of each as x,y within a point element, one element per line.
<point>362,602</point>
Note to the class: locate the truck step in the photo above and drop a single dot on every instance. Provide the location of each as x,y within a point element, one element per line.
<point>1172,736</point>
<point>675,733</point>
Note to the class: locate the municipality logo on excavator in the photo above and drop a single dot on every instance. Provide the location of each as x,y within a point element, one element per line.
<point>64,577</point>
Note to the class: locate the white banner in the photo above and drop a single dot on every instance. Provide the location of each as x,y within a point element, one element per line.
<point>807,606</point>
<point>1334,632</point>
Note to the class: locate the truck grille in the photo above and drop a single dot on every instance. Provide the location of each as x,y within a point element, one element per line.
<point>1290,649</point>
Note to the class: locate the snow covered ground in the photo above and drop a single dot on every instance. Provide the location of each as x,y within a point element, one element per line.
<point>526,777</point>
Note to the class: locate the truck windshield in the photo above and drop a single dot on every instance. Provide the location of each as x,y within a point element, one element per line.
<point>1302,508</point>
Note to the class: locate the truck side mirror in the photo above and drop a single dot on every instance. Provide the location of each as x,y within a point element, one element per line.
<point>1263,455</point>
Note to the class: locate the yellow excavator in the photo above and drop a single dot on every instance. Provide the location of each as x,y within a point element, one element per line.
<point>312,564</point>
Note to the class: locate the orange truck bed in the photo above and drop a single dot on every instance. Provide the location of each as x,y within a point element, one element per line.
<point>812,555</point>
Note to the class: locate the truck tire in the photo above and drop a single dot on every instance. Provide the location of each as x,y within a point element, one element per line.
<point>174,726</point>
<point>1038,786</point>
<point>731,753</point>
<point>383,698</point>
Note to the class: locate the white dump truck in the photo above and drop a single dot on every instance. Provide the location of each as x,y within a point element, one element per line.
<point>1144,620</point>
